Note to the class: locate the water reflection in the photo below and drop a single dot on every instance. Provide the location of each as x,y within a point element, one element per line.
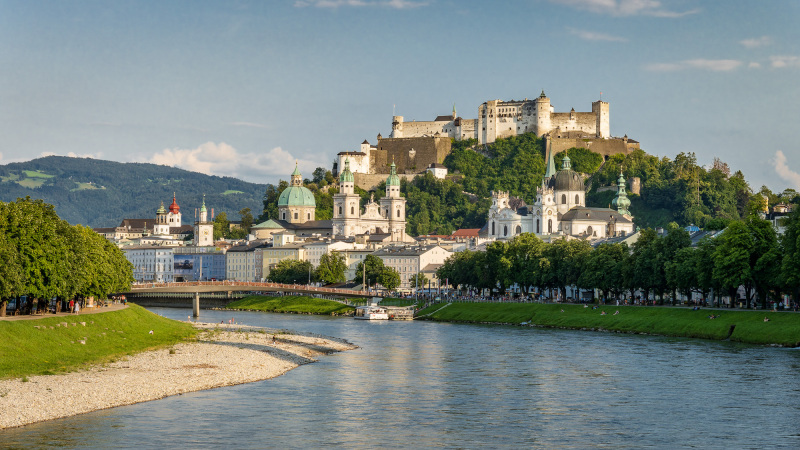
<point>419,384</point>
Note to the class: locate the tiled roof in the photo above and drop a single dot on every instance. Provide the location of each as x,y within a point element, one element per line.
<point>580,213</point>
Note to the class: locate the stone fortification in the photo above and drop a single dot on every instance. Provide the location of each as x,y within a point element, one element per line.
<point>370,181</point>
<point>605,147</point>
<point>411,155</point>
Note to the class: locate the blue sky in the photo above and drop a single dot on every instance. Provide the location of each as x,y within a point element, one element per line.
<point>246,88</point>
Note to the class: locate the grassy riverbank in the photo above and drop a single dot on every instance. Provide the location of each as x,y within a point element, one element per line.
<point>782,328</point>
<point>45,346</point>
<point>300,304</point>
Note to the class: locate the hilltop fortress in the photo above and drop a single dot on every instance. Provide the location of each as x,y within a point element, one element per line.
<point>419,146</point>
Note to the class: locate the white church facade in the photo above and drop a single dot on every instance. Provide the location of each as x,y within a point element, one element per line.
<point>559,210</point>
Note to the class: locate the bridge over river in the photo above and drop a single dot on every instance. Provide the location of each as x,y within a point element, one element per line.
<point>196,288</point>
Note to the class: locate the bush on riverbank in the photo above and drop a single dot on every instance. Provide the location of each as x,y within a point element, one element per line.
<point>782,328</point>
<point>291,304</point>
<point>53,348</point>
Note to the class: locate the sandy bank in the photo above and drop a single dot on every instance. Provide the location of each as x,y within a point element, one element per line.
<point>224,355</point>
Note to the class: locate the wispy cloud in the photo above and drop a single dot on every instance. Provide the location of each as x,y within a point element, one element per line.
<point>224,160</point>
<point>756,42</point>
<point>594,36</point>
<point>714,65</point>
<point>783,170</point>
<point>621,8</point>
<point>333,4</point>
<point>251,125</point>
<point>782,61</point>
<point>754,65</point>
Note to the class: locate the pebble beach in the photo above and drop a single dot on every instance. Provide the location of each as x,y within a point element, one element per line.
<point>223,355</point>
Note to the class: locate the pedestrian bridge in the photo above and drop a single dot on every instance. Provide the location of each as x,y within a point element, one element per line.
<point>238,286</point>
<point>229,286</point>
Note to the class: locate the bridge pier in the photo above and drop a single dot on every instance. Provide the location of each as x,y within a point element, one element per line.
<point>196,305</point>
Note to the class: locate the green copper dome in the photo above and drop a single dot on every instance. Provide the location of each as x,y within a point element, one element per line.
<point>161,209</point>
<point>393,179</point>
<point>346,175</point>
<point>203,208</point>
<point>296,196</point>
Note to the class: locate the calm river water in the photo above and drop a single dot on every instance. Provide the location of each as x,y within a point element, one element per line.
<point>423,385</point>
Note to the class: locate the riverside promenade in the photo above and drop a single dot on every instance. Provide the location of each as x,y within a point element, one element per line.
<point>93,310</point>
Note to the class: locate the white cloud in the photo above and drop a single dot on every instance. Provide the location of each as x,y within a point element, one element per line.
<point>783,170</point>
<point>594,36</point>
<point>756,42</point>
<point>714,65</point>
<point>782,61</point>
<point>224,160</point>
<point>621,8</point>
<point>754,65</point>
<point>333,4</point>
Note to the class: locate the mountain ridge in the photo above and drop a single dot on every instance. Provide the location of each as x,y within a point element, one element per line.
<point>100,193</point>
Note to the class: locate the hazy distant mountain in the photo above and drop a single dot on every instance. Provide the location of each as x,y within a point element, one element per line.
<point>100,193</point>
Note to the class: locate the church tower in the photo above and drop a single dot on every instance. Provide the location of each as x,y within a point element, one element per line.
<point>203,229</point>
<point>161,227</point>
<point>621,201</point>
<point>394,206</point>
<point>346,205</point>
<point>174,213</point>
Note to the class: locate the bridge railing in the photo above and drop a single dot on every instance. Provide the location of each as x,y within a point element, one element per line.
<point>253,284</point>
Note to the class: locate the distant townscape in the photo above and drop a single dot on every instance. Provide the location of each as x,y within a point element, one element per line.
<point>336,215</point>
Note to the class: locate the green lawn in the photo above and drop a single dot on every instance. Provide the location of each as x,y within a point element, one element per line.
<point>31,183</point>
<point>52,348</point>
<point>291,304</point>
<point>85,186</point>
<point>36,174</point>
<point>782,328</point>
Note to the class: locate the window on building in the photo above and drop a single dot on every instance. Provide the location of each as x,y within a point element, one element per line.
<point>519,229</point>
<point>537,226</point>
<point>398,213</point>
<point>577,199</point>
<point>283,217</point>
<point>564,199</point>
<point>309,216</point>
<point>505,230</point>
<point>295,216</point>
<point>352,210</point>
<point>549,225</point>
<point>493,229</point>
<point>340,210</point>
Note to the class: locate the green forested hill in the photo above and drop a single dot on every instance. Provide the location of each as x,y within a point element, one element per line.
<point>101,193</point>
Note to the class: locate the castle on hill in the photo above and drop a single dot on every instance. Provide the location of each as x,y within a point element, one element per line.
<point>420,146</point>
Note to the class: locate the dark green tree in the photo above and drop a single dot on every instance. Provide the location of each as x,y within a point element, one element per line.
<point>331,268</point>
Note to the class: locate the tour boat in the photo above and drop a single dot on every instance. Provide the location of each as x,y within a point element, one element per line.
<point>371,313</point>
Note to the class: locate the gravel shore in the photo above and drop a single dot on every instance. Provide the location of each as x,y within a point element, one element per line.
<point>224,355</point>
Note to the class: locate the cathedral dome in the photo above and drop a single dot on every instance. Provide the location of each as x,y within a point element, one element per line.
<point>296,196</point>
<point>393,179</point>
<point>567,179</point>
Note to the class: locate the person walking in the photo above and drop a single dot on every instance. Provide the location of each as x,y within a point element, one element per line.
<point>71,305</point>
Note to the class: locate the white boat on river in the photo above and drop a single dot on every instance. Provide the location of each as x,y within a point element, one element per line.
<point>371,312</point>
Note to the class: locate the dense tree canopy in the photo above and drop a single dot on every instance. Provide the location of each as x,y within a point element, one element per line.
<point>746,254</point>
<point>44,257</point>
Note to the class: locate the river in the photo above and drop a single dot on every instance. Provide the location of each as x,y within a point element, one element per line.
<point>423,385</point>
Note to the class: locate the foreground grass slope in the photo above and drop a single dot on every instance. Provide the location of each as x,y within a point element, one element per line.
<point>291,304</point>
<point>782,328</point>
<point>53,348</point>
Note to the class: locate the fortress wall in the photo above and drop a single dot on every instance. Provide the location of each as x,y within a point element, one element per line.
<point>584,121</point>
<point>427,150</point>
<point>605,147</point>
<point>369,182</point>
<point>416,129</point>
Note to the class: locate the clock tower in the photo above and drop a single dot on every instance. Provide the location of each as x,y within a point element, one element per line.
<point>203,229</point>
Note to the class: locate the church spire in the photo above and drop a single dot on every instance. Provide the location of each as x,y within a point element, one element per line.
<point>621,201</point>
<point>551,165</point>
